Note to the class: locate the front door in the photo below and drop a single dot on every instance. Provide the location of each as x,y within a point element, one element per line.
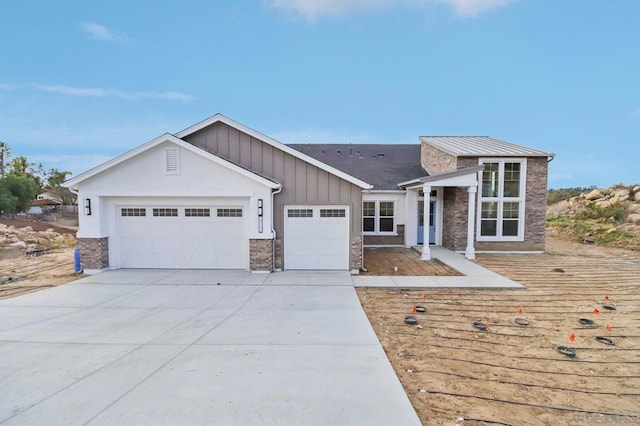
<point>432,222</point>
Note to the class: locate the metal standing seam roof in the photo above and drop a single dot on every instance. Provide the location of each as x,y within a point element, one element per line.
<point>481,146</point>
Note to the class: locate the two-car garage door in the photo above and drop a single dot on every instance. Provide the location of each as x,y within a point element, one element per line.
<point>202,237</point>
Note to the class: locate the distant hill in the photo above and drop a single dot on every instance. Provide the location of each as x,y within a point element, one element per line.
<point>596,216</point>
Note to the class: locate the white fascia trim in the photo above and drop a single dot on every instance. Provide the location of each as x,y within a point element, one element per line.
<point>279,145</point>
<point>384,191</point>
<point>182,144</point>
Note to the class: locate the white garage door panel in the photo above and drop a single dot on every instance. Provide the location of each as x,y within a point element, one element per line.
<point>316,242</point>
<point>182,242</point>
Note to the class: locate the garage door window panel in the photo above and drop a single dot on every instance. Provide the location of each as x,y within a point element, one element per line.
<point>133,212</point>
<point>229,212</point>
<point>197,212</point>
<point>165,212</point>
<point>299,213</point>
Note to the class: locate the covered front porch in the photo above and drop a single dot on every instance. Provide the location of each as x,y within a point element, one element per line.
<point>425,196</point>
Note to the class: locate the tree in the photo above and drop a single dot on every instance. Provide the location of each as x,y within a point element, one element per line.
<point>5,154</point>
<point>20,166</point>
<point>54,180</point>
<point>16,193</point>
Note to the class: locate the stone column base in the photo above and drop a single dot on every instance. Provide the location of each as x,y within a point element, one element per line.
<point>94,253</point>
<point>261,255</point>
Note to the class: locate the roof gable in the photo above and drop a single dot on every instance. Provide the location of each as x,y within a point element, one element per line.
<point>481,146</point>
<point>75,181</point>
<point>219,118</point>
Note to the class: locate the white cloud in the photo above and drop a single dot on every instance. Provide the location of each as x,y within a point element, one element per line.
<point>100,32</point>
<point>314,9</point>
<point>7,86</point>
<point>472,8</point>
<point>97,92</point>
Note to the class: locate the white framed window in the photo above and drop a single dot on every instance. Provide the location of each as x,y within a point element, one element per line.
<point>379,217</point>
<point>501,200</point>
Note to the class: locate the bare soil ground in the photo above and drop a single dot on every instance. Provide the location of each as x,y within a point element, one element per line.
<point>25,275</point>
<point>37,225</point>
<point>402,262</point>
<point>512,374</point>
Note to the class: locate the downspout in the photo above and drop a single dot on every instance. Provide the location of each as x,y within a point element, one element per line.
<point>362,235</point>
<point>273,229</point>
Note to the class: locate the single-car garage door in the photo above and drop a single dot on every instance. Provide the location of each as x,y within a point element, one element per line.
<point>182,237</point>
<point>316,237</point>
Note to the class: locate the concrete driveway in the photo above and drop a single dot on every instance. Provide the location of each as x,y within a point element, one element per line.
<point>196,347</point>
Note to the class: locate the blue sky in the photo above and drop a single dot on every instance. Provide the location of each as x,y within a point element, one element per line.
<point>81,82</point>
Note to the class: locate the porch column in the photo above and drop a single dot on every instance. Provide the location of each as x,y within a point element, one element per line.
<point>426,251</point>
<point>470,252</point>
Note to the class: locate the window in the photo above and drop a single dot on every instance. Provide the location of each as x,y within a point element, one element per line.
<point>369,216</point>
<point>378,217</point>
<point>229,212</point>
<point>502,201</point>
<point>197,212</point>
<point>333,212</point>
<point>299,212</point>
<point>133,211</point>
<point>165,212</point>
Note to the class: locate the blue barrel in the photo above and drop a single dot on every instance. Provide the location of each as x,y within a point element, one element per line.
<point>76,260</point>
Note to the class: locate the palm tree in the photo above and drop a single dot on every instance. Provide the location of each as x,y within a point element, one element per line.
<point>5,153</point>
<point>20,165</point>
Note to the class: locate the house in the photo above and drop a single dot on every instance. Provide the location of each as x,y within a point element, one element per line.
<point>219,195</point>
<point>48,198</point>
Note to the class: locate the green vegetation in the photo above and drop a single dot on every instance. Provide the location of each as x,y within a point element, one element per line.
<point>614,214</point>
<point>21,181</point>
<point>562,194</point>
<point>16,193</point>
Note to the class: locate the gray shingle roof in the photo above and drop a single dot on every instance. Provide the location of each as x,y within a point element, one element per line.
<point>383,166</point>
<point>481,146</point>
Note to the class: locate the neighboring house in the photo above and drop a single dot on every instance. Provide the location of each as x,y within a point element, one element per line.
<point>220,195</point>
<point>47,199</point>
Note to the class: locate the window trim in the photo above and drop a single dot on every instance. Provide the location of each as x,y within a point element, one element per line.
<point>500,199</point>
<point>376,221</point>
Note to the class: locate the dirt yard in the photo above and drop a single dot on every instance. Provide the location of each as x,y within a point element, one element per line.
<point>24,275</point>
<point>512,374</point>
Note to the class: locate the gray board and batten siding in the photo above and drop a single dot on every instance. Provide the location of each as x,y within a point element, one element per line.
<point>303,183</point>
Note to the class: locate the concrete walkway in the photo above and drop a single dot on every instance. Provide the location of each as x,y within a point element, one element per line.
<point>473,275</point>
<point>196,347</point>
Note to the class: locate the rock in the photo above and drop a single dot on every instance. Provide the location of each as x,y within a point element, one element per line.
<point>594,195</point>
<point>634,218</point>
<point>18,244</point>
<point>636,197</point>
<point>620,192</point>
<point>50,230</point>
<point>631,208</point>
<point>26,229</point>
<point>31,240</point>
<point>603,204</point>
